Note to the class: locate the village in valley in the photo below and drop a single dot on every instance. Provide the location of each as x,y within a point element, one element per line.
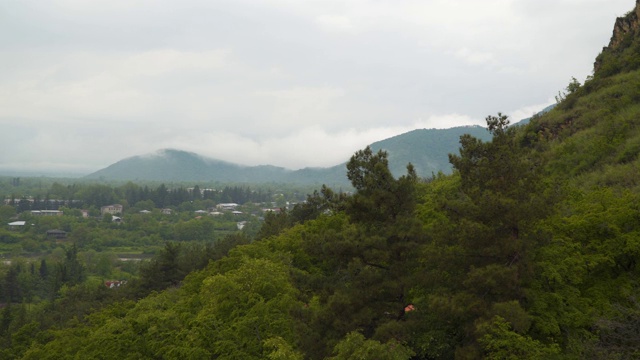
<point>113,239</point>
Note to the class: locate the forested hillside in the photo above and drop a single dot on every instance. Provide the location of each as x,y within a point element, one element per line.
<point>529,250</point>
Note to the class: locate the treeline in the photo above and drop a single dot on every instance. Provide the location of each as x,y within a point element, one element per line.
<point>97,195</point>
<point>162,196</point>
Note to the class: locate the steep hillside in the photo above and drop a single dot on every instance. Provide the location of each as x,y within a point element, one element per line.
<point>593,135</point>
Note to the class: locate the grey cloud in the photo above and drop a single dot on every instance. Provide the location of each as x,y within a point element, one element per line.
<point>265,73</point>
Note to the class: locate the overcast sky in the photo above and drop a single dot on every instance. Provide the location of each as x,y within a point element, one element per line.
<point>292,83</point>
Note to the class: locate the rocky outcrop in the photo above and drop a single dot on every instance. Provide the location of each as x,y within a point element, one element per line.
<point>624,26</point>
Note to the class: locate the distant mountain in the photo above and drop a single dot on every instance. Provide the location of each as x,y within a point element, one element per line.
<point>426,149</point>
<point>178,165</point>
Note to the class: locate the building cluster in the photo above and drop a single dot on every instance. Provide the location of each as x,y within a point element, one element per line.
<point>117,210</point>
<point>47,203</point>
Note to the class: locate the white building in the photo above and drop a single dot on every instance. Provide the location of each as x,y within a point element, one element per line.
<point>111,209</point>
<point>227,206</point>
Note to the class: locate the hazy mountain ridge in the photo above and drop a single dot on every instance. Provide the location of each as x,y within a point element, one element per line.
<point>177,165</point>
<point>426,149</point>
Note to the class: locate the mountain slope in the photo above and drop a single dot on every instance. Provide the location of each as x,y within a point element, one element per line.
<point>427,149</point>
<point>164,164</point>
<point>178,165</point>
